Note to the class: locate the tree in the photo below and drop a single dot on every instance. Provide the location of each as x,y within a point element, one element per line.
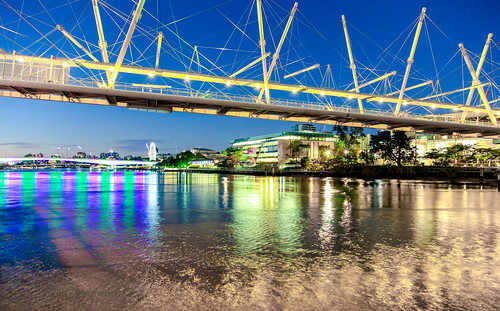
<point>181,160</point>
<point>347,148</point>
<point>231,151</point>
<point>457,152</point>
<point>264,166</point>
<point>394,147</point>
<point>348,136</point>
<point>296,147</point>
<point>231,162</point>
<point>234,157</point>
<point>305,163</point>
<point>439,157</point>
<point>487,155</point>
<point>325,152</point>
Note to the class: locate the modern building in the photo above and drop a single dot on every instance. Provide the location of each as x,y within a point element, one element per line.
<point>163,156</point>
<point>203,151</point>
<point>274,148</point>
<point>427,142</point>
<point>133,158</point>
<point>112,155</point>
<point>211,160</point>
<point>306,127</point>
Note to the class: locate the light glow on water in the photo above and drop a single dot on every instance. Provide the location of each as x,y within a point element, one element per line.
<point>139,240</point>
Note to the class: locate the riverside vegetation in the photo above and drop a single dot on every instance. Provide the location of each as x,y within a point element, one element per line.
<point>388,154</point>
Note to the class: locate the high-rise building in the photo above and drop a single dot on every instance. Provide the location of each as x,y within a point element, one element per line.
<point>306,127</point>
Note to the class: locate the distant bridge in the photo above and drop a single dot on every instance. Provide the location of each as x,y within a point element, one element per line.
<point>87,161</point>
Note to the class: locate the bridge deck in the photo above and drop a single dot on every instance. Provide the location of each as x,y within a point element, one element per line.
<point>241,107</point>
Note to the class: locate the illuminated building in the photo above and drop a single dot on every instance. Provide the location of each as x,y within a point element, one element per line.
<point>211,161</point>
<point>112,155</point>
<point>306,127</point>
<point>162,156</point>
<point>427,142</point>
<point>274,148</point>
<point>203,151</point>
<point>81,155</point>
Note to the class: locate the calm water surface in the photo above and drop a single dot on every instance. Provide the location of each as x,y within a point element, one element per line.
<point>176,241</point>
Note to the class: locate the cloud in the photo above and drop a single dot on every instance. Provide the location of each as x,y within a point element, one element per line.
<point>22,145</point>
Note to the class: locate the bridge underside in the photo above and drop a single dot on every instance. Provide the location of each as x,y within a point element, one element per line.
<point>174,103</point>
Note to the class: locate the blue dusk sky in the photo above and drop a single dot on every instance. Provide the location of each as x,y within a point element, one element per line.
<point>28,126</point>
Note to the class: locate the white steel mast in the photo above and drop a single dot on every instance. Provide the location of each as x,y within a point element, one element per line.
<point>410,61</point>
<point>262,44</point>
<point>103,46</point>
<point>352,64</point>
<point>478,71</point>
<point>478,85</point>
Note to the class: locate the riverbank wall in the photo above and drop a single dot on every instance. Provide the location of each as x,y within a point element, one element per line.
<point>374,172</point>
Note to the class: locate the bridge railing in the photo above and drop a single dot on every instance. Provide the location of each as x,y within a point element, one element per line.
<point>162,89</point>
<point>282,102</point>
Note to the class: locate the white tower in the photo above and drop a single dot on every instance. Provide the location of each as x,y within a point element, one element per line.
<point>152,152</point>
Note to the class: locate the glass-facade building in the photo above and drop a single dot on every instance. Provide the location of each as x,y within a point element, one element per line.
<point>274,148</point>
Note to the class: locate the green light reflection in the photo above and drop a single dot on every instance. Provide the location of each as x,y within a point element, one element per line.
<point>106,196</point>
<point>56,187</point>
<point>81,200</point>
<point>265,218</point>
<point>128,202</point>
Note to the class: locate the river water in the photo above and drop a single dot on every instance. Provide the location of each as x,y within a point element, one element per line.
<point>177,241</point>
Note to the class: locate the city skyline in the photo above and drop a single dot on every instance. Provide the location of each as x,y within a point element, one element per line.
<point>30,126</point>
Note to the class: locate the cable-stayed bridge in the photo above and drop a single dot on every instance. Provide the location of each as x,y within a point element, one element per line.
<point>110,81</point>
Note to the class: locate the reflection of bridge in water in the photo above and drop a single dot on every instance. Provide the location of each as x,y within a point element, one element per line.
<point>79,80</point>
<point>78,160</point>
